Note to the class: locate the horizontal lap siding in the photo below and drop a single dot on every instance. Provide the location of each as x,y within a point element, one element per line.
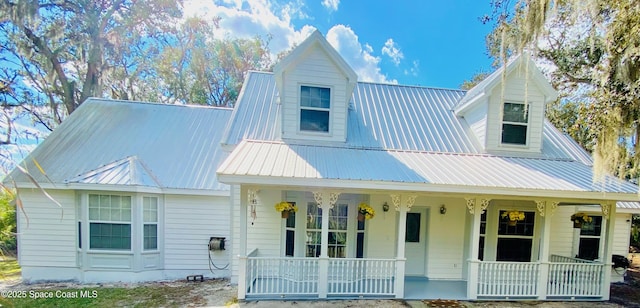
<point>47,240</point>
<point>315,69</point>
<point>621,234</point>
<point>266,231</point>
<point>561,239</point>
<point>189,223</point>
<point>514,91</point>
<point>446,239</point>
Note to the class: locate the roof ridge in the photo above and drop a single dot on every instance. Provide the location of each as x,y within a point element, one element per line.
<point>148,103</point>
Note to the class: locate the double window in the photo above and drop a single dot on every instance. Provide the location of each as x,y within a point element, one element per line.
<point>515,120</point>
<point>315,107</point>
<point>346,234</point>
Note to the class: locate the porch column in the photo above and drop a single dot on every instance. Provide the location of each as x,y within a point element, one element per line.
<point>476,207</point>
<point>403,204</point>
<point>325,201</point>
<point>242,245</point>
<point>609,215</point>
<point>546,210</point>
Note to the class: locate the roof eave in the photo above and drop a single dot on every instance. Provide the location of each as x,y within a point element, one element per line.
<point>424,188</point>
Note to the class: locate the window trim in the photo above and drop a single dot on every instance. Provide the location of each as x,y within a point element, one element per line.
<point>579,237</point>
<point>300,235</point>
<point>136,253</point>
<point>527,125</point>
<point>330,110</point>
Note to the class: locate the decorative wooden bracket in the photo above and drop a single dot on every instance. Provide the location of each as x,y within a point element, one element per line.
<point>409,201</point>
<point>540,205</point>
<point>606,209</point>
<point>471,204</point>
<point>318,196</point>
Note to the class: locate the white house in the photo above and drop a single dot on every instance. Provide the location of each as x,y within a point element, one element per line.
<point>144,187</point>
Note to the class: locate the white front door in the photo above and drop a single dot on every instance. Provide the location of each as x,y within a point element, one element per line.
<point>416,242</point>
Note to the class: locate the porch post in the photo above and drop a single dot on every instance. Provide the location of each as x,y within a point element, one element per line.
<point>609,213</point>
<point>402,204</point>
<point>325,201</point>
<point>545,209</point>
<point>476,207</point>
<point>242,247</point>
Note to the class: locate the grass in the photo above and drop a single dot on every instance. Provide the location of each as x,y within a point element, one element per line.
<point>140,296</point>
<point>9,269</point>
<point>143,296</point>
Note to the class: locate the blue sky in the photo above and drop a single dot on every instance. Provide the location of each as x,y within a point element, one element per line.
<point>428,42</point>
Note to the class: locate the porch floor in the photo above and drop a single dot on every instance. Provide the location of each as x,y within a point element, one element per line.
<point>423,288</point>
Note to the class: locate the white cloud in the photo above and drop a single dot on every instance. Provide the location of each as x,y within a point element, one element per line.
<point>244,19</point>
<point>247,19</point>
<point>332,5</point>
<point>346,42</point>
<point>393,51</point>
<point>414,69</point>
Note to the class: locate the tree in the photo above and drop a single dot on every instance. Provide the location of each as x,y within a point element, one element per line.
<point>64,50</point>
<point>595,51</point>
<point>200,69</point>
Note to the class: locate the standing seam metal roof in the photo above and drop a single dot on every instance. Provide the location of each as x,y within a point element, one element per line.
<point>177,146</point>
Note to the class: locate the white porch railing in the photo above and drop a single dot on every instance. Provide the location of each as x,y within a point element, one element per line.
<point>508,279</point>
<point>572,277</point>
<point>361,276</point>
<point>567,278</point>
<point>300,276</point>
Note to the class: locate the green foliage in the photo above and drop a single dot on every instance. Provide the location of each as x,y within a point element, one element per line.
<point>476,79</point>
<point>635,231</point>
<point>595,51</point>
<point>200,69</point>
<point>7,225</point>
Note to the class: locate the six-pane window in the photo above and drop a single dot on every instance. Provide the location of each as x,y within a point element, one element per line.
<point>315,105</point>
<point>514,124</point>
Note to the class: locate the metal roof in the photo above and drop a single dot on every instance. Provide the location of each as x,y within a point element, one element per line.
<point>384,116</point>
<point>278,160</point>
<point>134,143</point>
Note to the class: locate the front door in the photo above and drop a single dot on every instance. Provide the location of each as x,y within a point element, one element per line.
<point>416,242</point>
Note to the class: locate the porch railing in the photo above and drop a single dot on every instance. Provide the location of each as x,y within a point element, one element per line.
<point>508,279</point>
<point>567,278</point>
<point>361,276</point>
<point>288,276</point>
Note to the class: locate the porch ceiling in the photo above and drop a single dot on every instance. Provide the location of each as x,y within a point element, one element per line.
<point>278,163</point>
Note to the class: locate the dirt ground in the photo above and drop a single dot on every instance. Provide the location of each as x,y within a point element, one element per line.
<point>219,293</point>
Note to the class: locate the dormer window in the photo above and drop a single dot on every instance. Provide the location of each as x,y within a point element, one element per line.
<point>515,121</point>
<point>315,106</point>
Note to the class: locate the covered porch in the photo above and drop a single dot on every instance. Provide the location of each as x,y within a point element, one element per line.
<point>265,273</point>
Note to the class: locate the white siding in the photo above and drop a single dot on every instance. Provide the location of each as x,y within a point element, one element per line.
<point>477,120</point>
<point>514,91</point>
<point>621,234</point>
<point>446,236</point>
<point>562,232</point>
<point>189,223</point>
<point>381,231</point>
<point>266,231</point>
<point>47,240</point>
<point>314,69</point>
<point>235,231</point>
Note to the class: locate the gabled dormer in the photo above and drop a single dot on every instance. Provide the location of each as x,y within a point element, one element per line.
<point>506,112</point>
<point>315,85</point>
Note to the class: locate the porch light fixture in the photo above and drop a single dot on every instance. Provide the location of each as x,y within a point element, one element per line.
<point>443,209</point>
<point>385,207</point>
